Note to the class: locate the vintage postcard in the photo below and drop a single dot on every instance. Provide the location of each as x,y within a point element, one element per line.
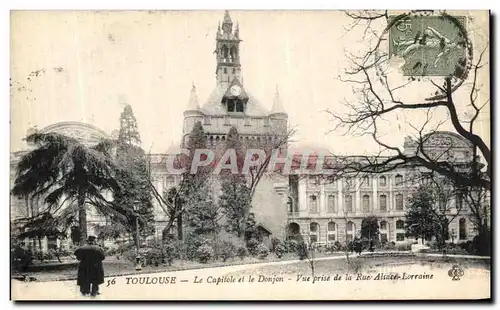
<point>250,155</point>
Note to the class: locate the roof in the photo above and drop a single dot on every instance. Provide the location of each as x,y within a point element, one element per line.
<point>277,104</point>
<point>213,105</point>
<point>193,104</point>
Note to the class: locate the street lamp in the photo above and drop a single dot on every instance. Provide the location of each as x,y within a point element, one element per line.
<point>137,248</point>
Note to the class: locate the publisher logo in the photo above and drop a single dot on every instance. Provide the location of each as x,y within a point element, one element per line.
<point>455,273</point>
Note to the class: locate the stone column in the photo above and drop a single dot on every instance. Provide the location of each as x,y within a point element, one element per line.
<point>357,200</point>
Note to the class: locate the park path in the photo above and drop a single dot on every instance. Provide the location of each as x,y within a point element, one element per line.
<point>187,284</point>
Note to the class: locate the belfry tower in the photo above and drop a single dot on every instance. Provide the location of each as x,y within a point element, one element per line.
<point>227,52</point>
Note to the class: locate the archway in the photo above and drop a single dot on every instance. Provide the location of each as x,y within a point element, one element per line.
<point>293,231</point>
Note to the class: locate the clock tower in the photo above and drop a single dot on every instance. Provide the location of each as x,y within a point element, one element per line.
<point>227,52</point>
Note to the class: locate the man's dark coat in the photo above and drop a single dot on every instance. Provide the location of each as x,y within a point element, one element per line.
<point>90,267</point>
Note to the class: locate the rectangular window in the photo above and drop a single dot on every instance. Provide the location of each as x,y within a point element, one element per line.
<point>331,237</point>
<point>266,122</point>
<point>227,120</point>
<point>313,204</point>
<point>400,224</point>
<point>331,204</point>
<point>348,203</point>
<point>313,238</point>
<point>247,121</point>
<point>366,182</point>
<point>366,203</point>
<point>399,202</point>
<point>383,181</point>
<point>206,120</point>
<point>400,237</point>
<point>383,238</point>
<point>383,203</point>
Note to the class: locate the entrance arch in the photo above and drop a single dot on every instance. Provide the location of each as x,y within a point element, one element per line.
<point>293,231</point>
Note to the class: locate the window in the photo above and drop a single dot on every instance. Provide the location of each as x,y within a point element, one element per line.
<point>399,180</point>
<point>247,121</point>
<point>332,231</point>
<point>350,231</point>
<point>331,204</point>
<point>462,229</point>
<point>460,202</point>
<point>383,181</point>
<point>399,202</point>
<point>313,204</point>
<point>206,120</point>
<point>383,225</point>
<point>365,182</point>
<point>383,203</point>
<point>400,224</point>
<point>266,122</point>
<point>290,204</point>
<point>227,120</point>
<point>225,70</point>
<point>239,106</point>
<point>348,203</point>
<point>366,203</point>
<point>383,238</point>
<point>234,70</point>
<point>400,237</point>
<point>314,232</point>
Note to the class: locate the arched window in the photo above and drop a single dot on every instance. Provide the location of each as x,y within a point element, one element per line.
<point>383,181</point>
<point>332,232</point>
<point>399,202</point>
<point>314,232</point>
<point>332,208</point>
<point>293,231</point>
<point>399,180</point>
<point>348,203</point>
<point>313,204</point>
<point>383,203</point>
<point>462,229</point>
<point>366,203</point>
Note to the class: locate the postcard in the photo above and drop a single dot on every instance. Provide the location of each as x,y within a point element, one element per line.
<point>250,155</point>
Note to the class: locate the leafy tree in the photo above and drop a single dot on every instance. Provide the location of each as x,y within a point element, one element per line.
<point>132,175</point>
<point>62,169</point>
<point>370,228</point>
<point>175,202</point>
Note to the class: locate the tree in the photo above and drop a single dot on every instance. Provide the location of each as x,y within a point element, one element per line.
<point>429,211</point>
<point>370,229</point>
<point>132,176</point>
<point>381,94</point>
<point>176,202</point>
<point>62,171</point>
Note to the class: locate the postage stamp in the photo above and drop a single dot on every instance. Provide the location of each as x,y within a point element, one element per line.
<point>430,45</point>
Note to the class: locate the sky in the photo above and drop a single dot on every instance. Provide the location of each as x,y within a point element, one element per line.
<point>90,64</point>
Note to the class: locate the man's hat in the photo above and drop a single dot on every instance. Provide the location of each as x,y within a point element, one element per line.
<point>91,238</point>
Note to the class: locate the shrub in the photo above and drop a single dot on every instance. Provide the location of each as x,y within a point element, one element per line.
<point>227,250</point>
<point>279,250</point>
<point>302,251</point>
<point>192,243</point>
<point>339,246</point>
<point>274,243</point>
<point>262,251</point>
<point>152,257</point>
<point>403,246</point>
<point>481,244</point>
<point>290,246</point>
<point>388,246</point>
<point>252,245</point>
<point>204,253</point>
<point>170,252</point>
<point>241,252</point>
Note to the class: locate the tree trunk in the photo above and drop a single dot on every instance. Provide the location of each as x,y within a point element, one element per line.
<point>82,218</point>
<point>179,227</point>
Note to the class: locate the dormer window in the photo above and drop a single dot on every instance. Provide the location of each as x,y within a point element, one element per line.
<point>235,105</point>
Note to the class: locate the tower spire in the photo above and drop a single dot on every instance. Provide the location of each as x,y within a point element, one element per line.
<point>193,104</point>
<point>277,105</point>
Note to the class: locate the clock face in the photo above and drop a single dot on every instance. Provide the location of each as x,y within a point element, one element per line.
<point>235,90</point>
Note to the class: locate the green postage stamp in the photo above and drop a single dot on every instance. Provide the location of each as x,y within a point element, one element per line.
<point>430,45</point>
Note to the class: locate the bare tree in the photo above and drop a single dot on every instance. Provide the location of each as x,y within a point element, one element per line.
<point>379,96</point>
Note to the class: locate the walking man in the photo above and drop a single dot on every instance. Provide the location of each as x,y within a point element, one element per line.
<point>90,271</point>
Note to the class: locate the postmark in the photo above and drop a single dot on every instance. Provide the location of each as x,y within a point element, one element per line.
<point>433,45</point>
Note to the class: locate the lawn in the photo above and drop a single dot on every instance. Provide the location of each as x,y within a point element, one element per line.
<point>366,263</point>
<point>116,267</point>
